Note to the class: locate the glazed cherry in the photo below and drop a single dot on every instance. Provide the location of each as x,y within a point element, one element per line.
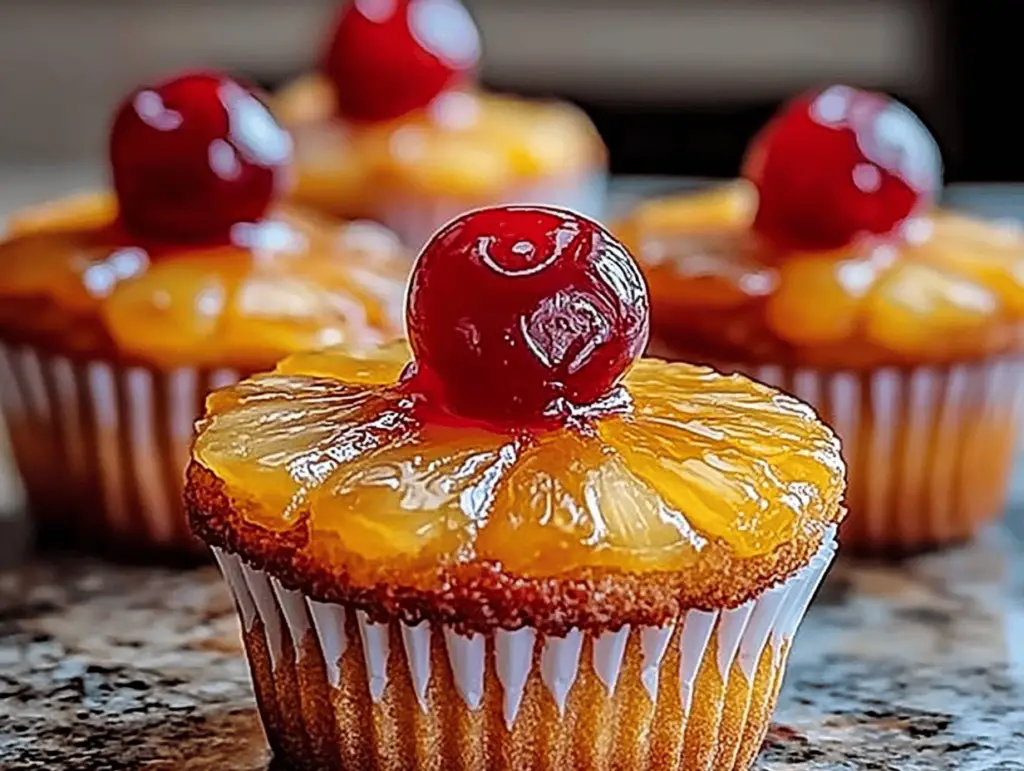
<point>838,165</point>
<point>193,156</point>
<point>387,58</point>
<point>515,313</point>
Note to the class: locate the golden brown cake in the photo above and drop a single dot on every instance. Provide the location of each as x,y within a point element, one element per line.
<point>519,548</point>
<point>392,126</point>
<point>900,322</point>
<point>117,319</point>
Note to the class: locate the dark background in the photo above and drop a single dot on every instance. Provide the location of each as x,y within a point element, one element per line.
<point>666,102</point>
<point>977,50</point>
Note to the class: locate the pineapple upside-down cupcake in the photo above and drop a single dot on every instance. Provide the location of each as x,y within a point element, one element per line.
<point>119,313</point>
<point>520,549</point>
<point>829,273</point>
<point>392,127</point>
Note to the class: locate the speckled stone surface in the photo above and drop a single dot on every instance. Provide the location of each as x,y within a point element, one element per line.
<point>912,667</point>
<point>908,667</point>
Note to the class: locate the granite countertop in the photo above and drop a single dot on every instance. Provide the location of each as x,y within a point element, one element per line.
<point>912,666</point>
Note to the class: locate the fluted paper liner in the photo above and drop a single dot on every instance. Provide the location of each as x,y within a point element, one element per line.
<point>928,450</point>
<point>338,691</point>
<point>102,447</point>
<point>416,218</point>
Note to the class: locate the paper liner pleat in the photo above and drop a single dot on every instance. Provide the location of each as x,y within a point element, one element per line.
<point>929,450</point>
<point>415,218</point>
<point>102,448</point>
<point>337,690</point>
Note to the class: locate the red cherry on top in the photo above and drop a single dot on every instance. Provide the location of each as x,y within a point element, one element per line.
<point>193,156</point>
<point>839,164</point>
<point>387,58</point>
<point>512,309</point>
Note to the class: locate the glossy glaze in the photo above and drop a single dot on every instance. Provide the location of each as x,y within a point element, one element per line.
<point>951,290</point>
<point>472,452</point>
<point>192,263</point>
<point>466,144</point>
<point>699,464</point>
<point>76,284</point>
<point>838,165</point>
<point>193,156</point>
<point>387,58</point>
<point>518,314</point>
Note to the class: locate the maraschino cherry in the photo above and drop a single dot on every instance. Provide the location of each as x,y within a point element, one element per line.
<point>388,58</point>
<point>193,156</point>
<point>838,165</point>
<point>520,313</point>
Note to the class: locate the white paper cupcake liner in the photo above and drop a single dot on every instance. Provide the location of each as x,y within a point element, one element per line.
<point>102,448</point>
<point>929,450</point>
<point>416,219</point>
<point>339,660</point>
<point>11,494</point>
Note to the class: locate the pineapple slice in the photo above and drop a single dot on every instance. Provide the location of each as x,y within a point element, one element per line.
<point>745,464</point>
<point>920,309</point>
<point>988,254</point>
<point>572,502</point>
<point>73,273</point>
<point>819,299</point>
<point>274,439</point>
<point>417,500</point>
<point>174,308</point>
<point>697,252</point>
<point>382,485</point>
<point>280,291</point>
<point>81,211</point>
<point>373,366</point>
<point>950,287</point>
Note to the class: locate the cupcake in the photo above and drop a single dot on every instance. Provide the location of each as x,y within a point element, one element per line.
<point>522,548</point>
<point>830,273</point>
<point>120,311</point>
<point>393,127</point>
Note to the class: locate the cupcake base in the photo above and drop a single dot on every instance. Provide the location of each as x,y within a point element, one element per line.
<point>337,691</point>
<point>102,449</point>
<point>928,450</point>
<point>416,218</point>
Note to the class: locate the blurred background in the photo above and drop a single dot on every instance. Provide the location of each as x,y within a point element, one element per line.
<point>676,86</point>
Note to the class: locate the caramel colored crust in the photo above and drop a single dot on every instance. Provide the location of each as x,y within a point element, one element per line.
<point>481,597</point>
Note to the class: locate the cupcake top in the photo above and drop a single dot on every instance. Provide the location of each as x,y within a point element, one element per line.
<point>394,107</point>
<point>521,467</point>
<point>831,251</point>
<point>190,261</point>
